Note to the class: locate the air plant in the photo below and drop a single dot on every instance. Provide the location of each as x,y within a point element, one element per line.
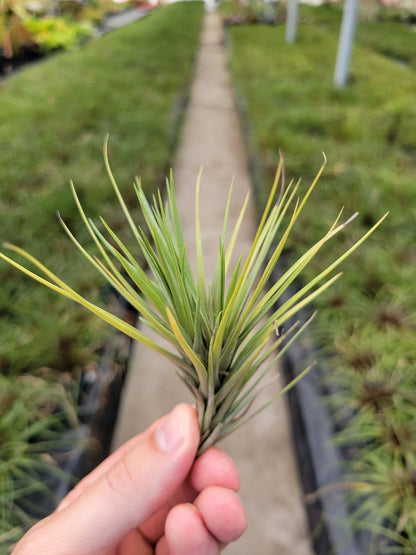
<point>225,337</point>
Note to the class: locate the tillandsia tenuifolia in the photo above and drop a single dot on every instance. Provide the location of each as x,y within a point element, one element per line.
<point>220,334</point>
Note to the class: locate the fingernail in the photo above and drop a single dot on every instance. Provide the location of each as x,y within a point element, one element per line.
<point>170,433</point>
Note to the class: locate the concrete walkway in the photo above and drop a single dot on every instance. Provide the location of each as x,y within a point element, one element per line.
<point>121,19</point>
<point>262,449</point>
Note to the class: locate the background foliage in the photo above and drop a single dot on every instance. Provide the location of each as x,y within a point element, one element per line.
<point>52,126</point>
<point>366,326</point>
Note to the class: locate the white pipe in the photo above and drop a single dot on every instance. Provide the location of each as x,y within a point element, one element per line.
<point>291,20</point>
<point>346,37</point>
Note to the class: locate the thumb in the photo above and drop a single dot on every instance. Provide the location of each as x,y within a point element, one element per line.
<point>125,495</point>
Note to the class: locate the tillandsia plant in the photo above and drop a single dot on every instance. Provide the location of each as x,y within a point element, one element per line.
<point>225,337</point>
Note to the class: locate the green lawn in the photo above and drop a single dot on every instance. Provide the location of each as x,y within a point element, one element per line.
<point>368,132</point>
<point>53,121</point>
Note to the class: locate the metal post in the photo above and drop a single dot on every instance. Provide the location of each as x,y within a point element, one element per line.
<point>292,20</point>
<point>346,37</point>
<point>269,10</point>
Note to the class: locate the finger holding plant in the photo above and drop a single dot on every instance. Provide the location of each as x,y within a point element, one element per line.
<point>224,336</point>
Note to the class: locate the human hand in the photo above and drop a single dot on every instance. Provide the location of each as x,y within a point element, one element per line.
<point>150,496</point>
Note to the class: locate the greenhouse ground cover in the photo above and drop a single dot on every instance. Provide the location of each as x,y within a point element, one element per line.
<point>53,125</point>
<point>366,325</point>
<point>53,122</point>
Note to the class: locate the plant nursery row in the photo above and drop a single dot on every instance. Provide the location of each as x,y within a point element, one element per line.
<point>54,119</point>
<point>365,330</point>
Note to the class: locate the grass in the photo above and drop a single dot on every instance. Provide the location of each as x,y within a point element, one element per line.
<point>368,134</point>
<point>52,125</point>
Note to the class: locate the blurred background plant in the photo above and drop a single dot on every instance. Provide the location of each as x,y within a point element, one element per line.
<point>54,33</point>
<point>14,34</point>
<point>379,447</point>
<point>34,414</point>
<point>31,28</point>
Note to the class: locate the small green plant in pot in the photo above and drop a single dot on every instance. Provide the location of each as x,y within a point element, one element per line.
<point>220,334</point>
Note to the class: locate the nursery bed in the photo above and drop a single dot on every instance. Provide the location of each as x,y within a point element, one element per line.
<point>320,462</point>
<point>366,322</point>
<point>56,339</point>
